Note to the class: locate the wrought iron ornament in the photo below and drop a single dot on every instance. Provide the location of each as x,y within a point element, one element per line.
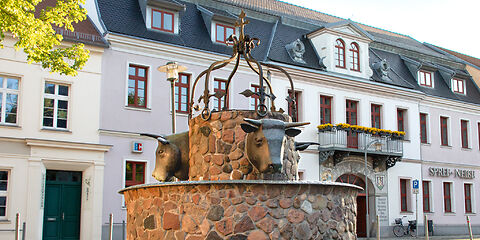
<point>242,47</point>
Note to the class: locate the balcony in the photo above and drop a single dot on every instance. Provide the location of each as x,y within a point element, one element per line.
<point>340,142</point>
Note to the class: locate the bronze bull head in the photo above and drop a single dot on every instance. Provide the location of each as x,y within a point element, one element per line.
<point>265,142</point>
<point>171,157</point>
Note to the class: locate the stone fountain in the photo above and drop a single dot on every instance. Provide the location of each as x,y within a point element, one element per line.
<point>242,174</point>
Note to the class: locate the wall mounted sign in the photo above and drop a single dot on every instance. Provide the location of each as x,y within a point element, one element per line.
<point>380,181</point>
<point>381,203</point>
<point>137,147</point>
<point>447,172</point>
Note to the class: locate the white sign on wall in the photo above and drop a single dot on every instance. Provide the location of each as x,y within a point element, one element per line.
<point>381,204</point>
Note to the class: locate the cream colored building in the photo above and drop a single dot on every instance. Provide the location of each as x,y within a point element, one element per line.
<point>49,145</point>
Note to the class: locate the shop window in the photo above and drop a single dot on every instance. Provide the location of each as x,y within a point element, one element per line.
<point>325,109</point>
<point>376,116</point>
<point>3,193</point>
<point>447,197</point>
<point>444,131</point>
<point>468,197</point>
<point>423,128</point>
<point>464,133</point>
<point>134,173</point>
<point>137,86</point>
<point>182,93</point>
<point>426,196</point>
<point>55,105</point>
<point>220,85</point>
<point>8,100</point>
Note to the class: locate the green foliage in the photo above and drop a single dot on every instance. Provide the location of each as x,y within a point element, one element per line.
<point>37,37</point>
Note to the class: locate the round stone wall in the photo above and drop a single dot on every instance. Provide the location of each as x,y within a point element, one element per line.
<point>241,210</point>
<point>217,148</point>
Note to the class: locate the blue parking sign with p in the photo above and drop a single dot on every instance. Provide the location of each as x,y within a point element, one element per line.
<point>415,184</point>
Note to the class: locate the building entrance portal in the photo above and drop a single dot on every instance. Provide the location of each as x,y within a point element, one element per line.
<point>361,202</point>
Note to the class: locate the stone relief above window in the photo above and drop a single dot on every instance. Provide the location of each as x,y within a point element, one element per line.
<point>295,50</point>
<point>382,68</point>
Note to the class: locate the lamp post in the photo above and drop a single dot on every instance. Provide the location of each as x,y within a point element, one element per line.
<point>378,145</point>
<point>172,69</point>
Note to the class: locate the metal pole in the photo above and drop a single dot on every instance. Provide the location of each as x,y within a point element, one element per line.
<point>469,228</point>
<point>378,227</point>
<point>426,227</point>
<point>110,227</point>
<point>416,214</point>
<point>173,104</point>
<point>366,182</point>
<point>23,230</point>
<point>123,230</point>
<point>17,227</point>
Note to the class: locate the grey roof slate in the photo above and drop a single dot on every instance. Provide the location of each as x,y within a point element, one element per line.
<point>125,17</point>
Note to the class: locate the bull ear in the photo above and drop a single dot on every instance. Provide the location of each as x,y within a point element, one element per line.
<point>248,128</point>
<point>292,132</point>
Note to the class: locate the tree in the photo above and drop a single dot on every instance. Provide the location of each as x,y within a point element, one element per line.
<point>35,30</point>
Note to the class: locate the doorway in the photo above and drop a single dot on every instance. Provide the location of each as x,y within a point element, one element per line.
<point>63,195</point>
<point>361,202</point>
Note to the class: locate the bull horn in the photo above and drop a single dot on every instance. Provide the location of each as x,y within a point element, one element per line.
<point>160,138</point>
<point>296,124</point>
<point>253,121</point>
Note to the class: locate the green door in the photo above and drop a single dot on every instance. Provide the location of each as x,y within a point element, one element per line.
<point>63,195</point>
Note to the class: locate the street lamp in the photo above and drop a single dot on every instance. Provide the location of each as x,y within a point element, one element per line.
<point>378,145</point>
<point>172,69</point>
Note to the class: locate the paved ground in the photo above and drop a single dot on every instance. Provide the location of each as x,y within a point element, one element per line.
<point>476,237</point>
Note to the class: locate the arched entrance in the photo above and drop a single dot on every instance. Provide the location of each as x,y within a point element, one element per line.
<point>361,202</point>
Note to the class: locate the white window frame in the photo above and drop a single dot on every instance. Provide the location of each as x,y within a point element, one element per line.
<point>213,34</point>
<point>5,193</point>
<point>4,91</point>
<point>56,97</point>
<point>419,76</point>
<point>449,128</point>
<point>409,195</point>
<point>454,86</point>
<point>469,133</point>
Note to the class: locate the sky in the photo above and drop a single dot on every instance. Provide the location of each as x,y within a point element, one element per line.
<point>451,24</point>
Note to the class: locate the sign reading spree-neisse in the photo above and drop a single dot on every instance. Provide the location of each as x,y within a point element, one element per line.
<point>447,172</point>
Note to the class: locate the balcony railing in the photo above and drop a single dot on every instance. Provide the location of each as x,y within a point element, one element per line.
<point>346,140</point>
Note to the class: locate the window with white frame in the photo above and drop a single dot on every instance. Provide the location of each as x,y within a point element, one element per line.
<point>55,105</point>
<point>405,195</point>
<point>8,100</point>
<point>3,193</point>
<point>425,78</point>
<point>458,86</point>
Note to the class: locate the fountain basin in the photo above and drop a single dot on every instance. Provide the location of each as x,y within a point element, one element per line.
<point>241,209</point>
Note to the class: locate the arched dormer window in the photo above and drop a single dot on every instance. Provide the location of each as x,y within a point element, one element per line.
<point>340,53</point>
<point>355,60</point>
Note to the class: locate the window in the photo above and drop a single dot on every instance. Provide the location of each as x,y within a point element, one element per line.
<point>340,53</point>
<point>134,173</point>
<point>182,93</point>
<point>464,132</point>
<point>223,32</point>
<point>401,119</point>
<point>478,128</point>
<point>404,187</point>
<point>8,100</point>
<point>162,20</point>
<point>3,193</point>
<point>423,128</point>
<point>325,109</point>
<point>220,85</point>
<point>355,60</point>
<point>447,197</point>
<point>458,86</point>
<point>425,78</point>
<point>254,100</point>
<point>137,86</point>
<point>55,105</point>
<point>351,111</point>
<point>293,114</point>
<point>376,121</point>
<point>468,197</point>
<point>444,130</point>
<point>426,196</point>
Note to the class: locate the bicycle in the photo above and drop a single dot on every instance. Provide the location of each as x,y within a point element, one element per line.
<point>400,230</point>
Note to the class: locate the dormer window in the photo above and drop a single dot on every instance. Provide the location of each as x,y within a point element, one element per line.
<point>355,57</point>
<point>458,86</point>
<point>340,53</point>
<point>425,78</point>
<point>163,20</point>
<point>222,32</point>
